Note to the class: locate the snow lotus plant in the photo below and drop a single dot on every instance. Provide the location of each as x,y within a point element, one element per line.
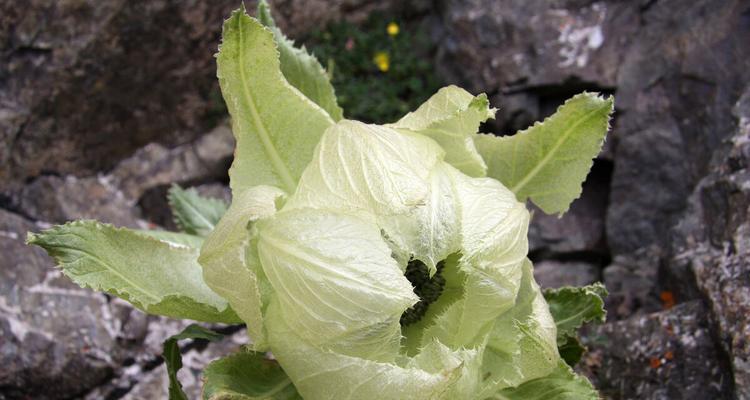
<point>368,262</point>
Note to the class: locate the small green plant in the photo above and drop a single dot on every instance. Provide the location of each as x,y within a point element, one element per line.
<point>381,69</point>
<point>368,261</point>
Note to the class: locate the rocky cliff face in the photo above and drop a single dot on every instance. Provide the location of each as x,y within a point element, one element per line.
<point>675,171</point>
<point>103,104</point>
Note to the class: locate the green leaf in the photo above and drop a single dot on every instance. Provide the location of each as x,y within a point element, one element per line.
<point>561,384</point>
<point>572,351</point>
<point>157,277</point>
<point>337,284</point>
<point>319,373</point>
<point>175,238</point>
<point>192,213</point>
<point>572,307</point>
<point>301,69</point>
<point>276,126</point>
<point>523,342</point>
<point>368,169</point>
<point>451,117</point>
<point>247,376</point>
<point>230,262</point>
<point>549,161</point>
<point>173,358</point>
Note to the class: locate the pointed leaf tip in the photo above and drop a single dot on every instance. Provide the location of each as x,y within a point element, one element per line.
<point>549,161</point>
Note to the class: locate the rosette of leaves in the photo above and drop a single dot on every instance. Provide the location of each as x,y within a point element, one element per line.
<point>368,261</point>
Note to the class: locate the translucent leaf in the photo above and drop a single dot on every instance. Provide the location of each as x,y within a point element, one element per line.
<point>335,281</point>
<point>247,376</point>
<point>229,258</point>
<point>173,358</point>
<point>561,384</point>
<point>275,125</point>
<point>194,214</point>
<point>549,161</point>
<point>494,245</point>
<point>301,69</point>
<point>572,307</point>
<point>451,117</point>
<point>155,276</point>
<point>174,238</point>
<point>368,169</point>
<point>321,374</point>
<point>522,344</point>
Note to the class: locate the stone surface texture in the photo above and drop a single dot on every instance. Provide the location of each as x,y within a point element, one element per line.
<point>674,167</point>
<point>105,104</point>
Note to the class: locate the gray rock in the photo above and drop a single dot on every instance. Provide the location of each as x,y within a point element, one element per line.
<point>555,274</point>
<point>713,242</point>
<point>631,288</point>
<point>669,355</point>
<point>56,340</point>
<point>85,83</point>
<point>154,384</point>
<point>154,165</point>
<point>580,231</point>
<point>58,200</point>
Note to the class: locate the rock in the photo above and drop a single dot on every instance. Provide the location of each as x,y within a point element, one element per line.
<point>154,165</point>
<point>580,231</point>
<point>631,288</point>
<point>713,241</point>
<point>56,338</point>
<point>154,384</point>
<point>58,200</point>
<point>668,355</point>
<point>674,89</point>
<point>555,274</point>
<point>85,83</point>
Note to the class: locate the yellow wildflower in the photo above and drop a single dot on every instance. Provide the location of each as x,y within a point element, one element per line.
<point>392,29</point>
<point>382,60</point>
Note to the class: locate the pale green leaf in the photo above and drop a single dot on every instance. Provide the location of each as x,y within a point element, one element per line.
<point>173,358</point>
<point>522,344</point>
<point>157,277</point>
<point>561,384</point>
<point>368,169</point>
<point>451,117</point>
<point>301,69</point>
<point>494,245</point>
<point>549,161</point>
<point>276,126</point>
<point>335,281</point>
<point>194,214</point>
<point>322,374</point>
<point>174,238</point>
<point>247,376</point>
<point>230,262</point>
<point>574,306</point>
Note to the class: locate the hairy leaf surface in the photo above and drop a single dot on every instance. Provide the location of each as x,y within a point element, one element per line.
<point>574,306</point>
<point>194,214</point>
<point>230,263</point>
<point>451,117</point>
<point>561,384</point>
<point>301,69</point>
<point>335,281</point>
<point>155,276</point>
<point>549,161</point>
<point>275,125</point>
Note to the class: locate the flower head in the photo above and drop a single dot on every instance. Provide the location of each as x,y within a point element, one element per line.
<point>382,60</point>
<point>392,29</point>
